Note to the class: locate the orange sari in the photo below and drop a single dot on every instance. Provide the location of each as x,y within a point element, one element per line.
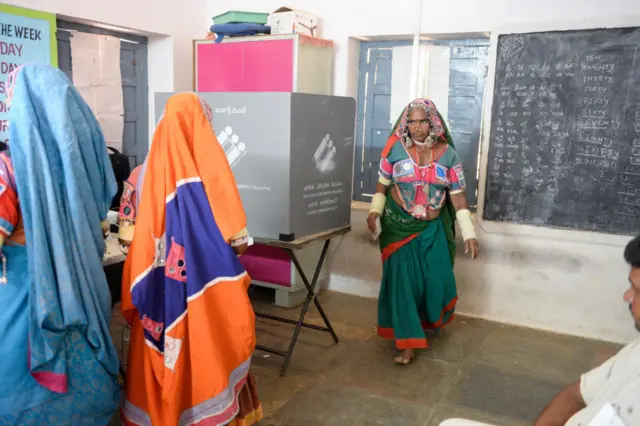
<point>184,292</point>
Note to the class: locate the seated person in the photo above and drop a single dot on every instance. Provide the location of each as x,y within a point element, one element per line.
<point>608,395</point>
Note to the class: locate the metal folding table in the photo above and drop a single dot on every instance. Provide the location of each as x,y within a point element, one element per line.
<point>290,248</point>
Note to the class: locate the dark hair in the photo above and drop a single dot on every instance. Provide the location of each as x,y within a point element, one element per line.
<point>632,253</point>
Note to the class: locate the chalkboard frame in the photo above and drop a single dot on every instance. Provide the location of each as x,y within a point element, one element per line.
<point>525,230</point>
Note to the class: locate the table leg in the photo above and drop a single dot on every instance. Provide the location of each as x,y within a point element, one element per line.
<point>311,296</point>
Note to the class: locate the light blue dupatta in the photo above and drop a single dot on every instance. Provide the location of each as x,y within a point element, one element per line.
<point>65,186</point>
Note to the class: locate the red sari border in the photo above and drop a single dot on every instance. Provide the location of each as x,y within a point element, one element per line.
<point>420,343</point>
<point>55,382</point>
<point>392,248</point>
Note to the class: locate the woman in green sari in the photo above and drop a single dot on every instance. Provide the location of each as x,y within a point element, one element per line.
<point>420,192</point>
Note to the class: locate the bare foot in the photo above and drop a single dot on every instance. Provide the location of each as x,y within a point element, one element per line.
<point>405,357</point>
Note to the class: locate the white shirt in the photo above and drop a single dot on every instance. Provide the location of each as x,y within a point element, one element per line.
<point>613,387</point>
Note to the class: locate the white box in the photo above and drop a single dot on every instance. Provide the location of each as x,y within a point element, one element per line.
<point>290,21</point>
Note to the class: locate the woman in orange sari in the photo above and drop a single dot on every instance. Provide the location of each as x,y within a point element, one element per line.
<point>184,291</point>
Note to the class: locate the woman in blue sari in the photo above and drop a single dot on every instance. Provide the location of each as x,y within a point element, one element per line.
<point>58,365</point>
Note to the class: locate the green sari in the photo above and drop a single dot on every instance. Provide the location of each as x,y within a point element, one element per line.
<point>418,289</point>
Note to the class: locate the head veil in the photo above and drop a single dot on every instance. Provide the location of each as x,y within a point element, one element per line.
<point>65,184</point>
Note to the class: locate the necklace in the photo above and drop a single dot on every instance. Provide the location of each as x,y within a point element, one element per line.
<point>419,211</point>
<point>420,146</point>
<point>429,142</point>
<point>417,159</point>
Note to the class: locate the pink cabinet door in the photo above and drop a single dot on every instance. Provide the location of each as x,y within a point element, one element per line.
<point>268,264</point>
<point>247,66</point>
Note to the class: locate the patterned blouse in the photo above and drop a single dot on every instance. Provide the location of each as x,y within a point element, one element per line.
<point>423,188</point>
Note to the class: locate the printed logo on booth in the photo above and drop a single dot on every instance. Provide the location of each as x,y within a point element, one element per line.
<point>233,148</point>
<point>325,155</point>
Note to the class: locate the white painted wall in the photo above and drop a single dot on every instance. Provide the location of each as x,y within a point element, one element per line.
<point>568,282</point>
<point>170,27</point>
<point>341,19</point>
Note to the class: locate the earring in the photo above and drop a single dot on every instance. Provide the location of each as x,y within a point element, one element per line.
<point>407,140</point>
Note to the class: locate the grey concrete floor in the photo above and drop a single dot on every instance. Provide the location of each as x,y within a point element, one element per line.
<point>475,369</point>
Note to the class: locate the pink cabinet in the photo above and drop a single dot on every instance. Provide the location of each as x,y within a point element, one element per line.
<point>285,63</point>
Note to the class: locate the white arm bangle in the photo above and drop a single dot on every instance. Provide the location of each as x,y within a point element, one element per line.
<point>466,224</point>
<point>377,203</point>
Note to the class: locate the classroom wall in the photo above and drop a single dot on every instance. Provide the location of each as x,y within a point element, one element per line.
<point>361,18</point>
<point>170,26</point>
<point>568,282</point>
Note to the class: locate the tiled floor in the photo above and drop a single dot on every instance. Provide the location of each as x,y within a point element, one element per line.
<point>473,368</point>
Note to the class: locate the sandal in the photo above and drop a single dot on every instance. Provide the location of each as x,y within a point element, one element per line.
<point>400,360</point>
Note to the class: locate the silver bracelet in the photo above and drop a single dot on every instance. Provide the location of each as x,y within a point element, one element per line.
<point>240,241</point>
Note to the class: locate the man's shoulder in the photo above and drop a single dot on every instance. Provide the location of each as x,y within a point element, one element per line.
<point>625,361</point>
<point>631,349</point>
<point>616,383</point>
<point>628,353</point>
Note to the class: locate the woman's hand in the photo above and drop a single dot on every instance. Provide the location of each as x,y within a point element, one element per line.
<point>240,242</point>
<point>241,248</point>
<point>371,221</point>
<point>106,228</point>
<point>471,245</point>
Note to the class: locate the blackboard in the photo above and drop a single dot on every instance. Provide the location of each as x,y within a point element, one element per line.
<point>565,131</point>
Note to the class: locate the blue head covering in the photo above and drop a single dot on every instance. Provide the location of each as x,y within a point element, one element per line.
<point>65,186</point>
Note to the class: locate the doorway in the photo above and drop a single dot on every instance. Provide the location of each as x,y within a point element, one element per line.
<point>466,60</point>
<point>135,90</point>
